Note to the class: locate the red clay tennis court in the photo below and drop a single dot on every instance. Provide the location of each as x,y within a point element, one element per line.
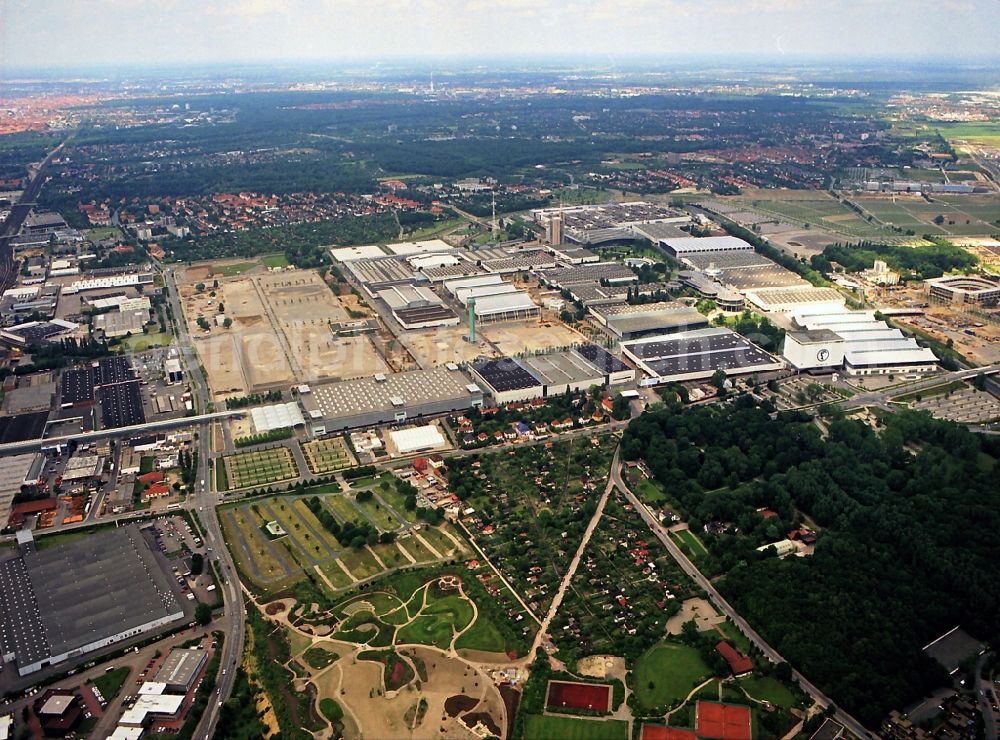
<point>722,721</point>
<point>662,732</point>
<point>595,696</point>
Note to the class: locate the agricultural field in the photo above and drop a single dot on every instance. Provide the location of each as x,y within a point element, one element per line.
<point>260,467</point>
<point>532,506</point>
<point>623,594</point>
<point>304,546</point>
<point>821,211</point>
<point>327,455</point>
<point>959,215</point>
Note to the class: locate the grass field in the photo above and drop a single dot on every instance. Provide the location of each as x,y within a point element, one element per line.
<point>381,516</point>
<point>987,133</point>
<point>690,539</point>
<point>272,261</point>
<point>236,268</point>
<point>651,492</point>
<point>824,212</point>
<point>768,689</point>
<point>360,563</point>
<point>343,508</point>
<point>438,540</point>
<point>327,455</point>
<point>261,467</point>
<point>142,342</point>
<point>437,621</point>
<point>482,635</point>
<point>547,727</point>
<point>666,673</point>
<point>103,232</point>
<point>396,500</point>
<point>109,684</point>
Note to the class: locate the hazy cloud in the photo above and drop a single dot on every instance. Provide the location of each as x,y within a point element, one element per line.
<point>121,32</point>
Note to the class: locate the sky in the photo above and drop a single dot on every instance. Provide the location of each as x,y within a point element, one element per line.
<point>122,33</point>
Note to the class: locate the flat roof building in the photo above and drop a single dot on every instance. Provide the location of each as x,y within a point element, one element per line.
<point>68,600</point>
<point>679,246</point>
<point>697,355</point>
<point>389,398</point>
<point>506,381</point>
<point>180,669</point>
<point>632,321</point>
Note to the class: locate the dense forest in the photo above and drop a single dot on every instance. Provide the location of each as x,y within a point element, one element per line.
<point>907,548</point>
<point>922,264</point>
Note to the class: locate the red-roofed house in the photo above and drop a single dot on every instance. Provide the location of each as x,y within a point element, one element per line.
<point>739,664</point>
<point>147,479</point>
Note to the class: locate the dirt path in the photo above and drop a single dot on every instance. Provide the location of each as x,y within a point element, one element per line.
<point>406,553</point>
<point>574,564</point>
<point>344,568</point>
<point>459,545</point>
<point>428,545</point>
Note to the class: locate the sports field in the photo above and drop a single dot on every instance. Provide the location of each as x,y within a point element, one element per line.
<point>547,727</point>
<point>665,674</point>
<point>722,721</point>
<point>260,467</point>
<point>572,695</point>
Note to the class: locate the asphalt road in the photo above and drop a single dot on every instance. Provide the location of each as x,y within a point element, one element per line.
<point>204,501</point>
<point>723,606</point>
<point>8,269</point>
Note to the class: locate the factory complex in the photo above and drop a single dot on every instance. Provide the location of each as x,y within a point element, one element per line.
<point>69,600</point>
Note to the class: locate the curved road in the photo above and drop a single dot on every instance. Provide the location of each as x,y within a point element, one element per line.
<point>722,605</point>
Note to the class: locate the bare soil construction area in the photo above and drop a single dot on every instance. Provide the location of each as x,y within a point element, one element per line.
<point>281,330</point>
<point>512,338</point>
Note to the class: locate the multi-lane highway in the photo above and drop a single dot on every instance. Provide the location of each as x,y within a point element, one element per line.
<point>8,271</point>
<point>204,501</point>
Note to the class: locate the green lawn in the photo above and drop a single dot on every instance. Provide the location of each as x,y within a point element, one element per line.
<point>690,539</point>
<point>383,519</point>
<point>274,260</point>
<point>768,689</point>
<point>142,342</point>
<point>650,492</point>
<point>545,727</point>
<point>666,673</point>
<point>109,684</point>
<point>483,635</point>
<point>319,658</point>
<point>435,624</point>
<point>234,269</point>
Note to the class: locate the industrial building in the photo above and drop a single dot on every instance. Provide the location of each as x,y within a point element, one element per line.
<point>276,416</point>
<point>602,224</point>
<point>562,371</point>
<point>697,355</point>
<point>632,320</point>
<point>595,272</point>
<point>965,289</point>
<point>794,298</point>
<point>180,669</point>
<point>389,398</point>
<point>376,273</point>
<point>493,298</point>
<point>855,341</point>
<point>680,246</point>
<point>70,599</point>
<point>121,323</point>
<point>506,381</point>
<point>728,301</point>
<point>417,307</point>
<point>615,371</point>
<point>417,439</point>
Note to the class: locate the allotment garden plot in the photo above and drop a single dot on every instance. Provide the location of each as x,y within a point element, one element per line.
<point>327,455</point>
<point>531,507</point>
<point>260,467</point>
